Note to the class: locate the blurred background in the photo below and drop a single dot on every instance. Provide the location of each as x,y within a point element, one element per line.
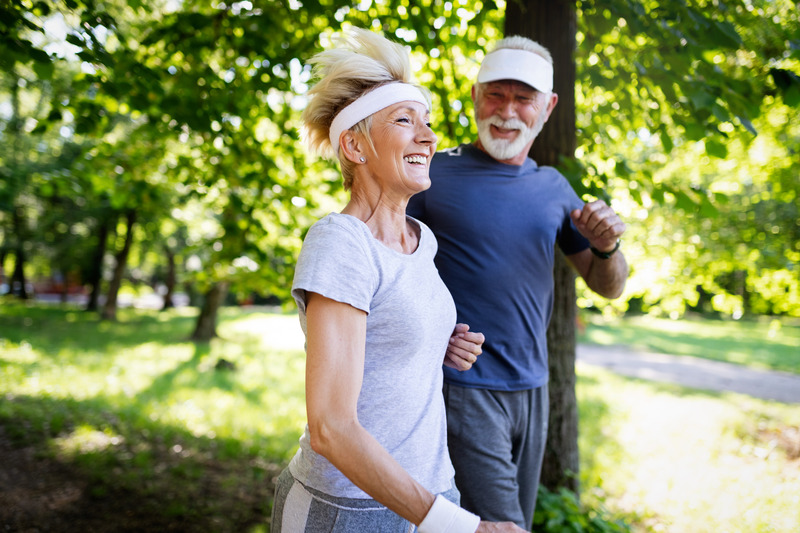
<point>154,193</point>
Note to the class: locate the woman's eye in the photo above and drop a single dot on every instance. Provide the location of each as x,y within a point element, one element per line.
<point>403,119</point>
<point>429,124</point>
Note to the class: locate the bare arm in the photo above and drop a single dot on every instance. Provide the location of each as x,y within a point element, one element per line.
<point>336,335</point>
<point>603,228</point>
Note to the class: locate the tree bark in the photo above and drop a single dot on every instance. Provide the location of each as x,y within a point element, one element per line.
<point>553,24</point>
<point>18,282</point>
<point>171,279</point>
<point>561,459</point>
<point>206,328</point>
<point>110,306</point>
<point>96,273</point>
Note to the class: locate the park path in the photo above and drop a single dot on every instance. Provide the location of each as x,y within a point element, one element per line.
<point>693,372</point>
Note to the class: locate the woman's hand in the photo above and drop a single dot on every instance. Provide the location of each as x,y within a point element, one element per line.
<point>464,348</point>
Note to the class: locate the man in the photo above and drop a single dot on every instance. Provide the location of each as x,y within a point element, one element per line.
<point>497,216</point>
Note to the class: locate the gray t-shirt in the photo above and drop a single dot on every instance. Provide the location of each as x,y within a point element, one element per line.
<point>411,316</point>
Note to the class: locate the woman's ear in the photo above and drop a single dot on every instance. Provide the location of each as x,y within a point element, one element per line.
<point>350,144</point>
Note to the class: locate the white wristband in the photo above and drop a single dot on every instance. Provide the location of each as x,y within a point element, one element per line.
<point>447,517</point>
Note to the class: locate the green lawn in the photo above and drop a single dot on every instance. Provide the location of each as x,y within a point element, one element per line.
<point>144,419</point>
<point>140,411</point>
<point>766,343</point>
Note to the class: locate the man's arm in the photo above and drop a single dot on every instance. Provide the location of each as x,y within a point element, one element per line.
<point>603,228</point>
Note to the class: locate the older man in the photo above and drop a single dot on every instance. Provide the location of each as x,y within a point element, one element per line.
<point>497,216</point>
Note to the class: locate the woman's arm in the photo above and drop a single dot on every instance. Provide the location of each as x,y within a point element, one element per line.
<point>335,337</point>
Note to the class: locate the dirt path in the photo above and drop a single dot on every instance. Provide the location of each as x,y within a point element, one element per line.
<point>693,372</point>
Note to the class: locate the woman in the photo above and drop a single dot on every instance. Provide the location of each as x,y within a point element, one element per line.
<point>378,319</point>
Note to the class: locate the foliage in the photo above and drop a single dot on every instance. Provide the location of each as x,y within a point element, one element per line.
<point>671,132</point>
<point>562,512</point>
<point>188,114</point>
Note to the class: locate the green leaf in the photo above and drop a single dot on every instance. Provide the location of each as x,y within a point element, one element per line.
<point>725,34</point>
<point>788,83</point>
<point>44,71</point>
<point>747,124</point>
<point>666,140</point>
<point>700,97</point>
<point>684,201</point>
<point>716,149</point>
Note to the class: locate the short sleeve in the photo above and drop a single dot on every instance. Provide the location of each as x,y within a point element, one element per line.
<point>569,238</point>
<point>335,262</point>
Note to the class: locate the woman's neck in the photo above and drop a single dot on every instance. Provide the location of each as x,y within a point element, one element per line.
<point>386,220</point>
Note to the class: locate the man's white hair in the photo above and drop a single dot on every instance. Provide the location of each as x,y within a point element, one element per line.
<point>517,42</point>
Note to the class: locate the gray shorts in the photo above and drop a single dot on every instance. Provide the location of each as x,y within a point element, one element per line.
<point>301,509</point>
<point>497,442</point>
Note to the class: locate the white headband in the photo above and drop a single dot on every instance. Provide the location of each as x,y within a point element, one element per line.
<point>370,103</point>
<point>520,65</point>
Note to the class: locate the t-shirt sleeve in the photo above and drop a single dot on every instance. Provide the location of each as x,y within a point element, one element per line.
<point>569,238</point>
<point>334,262</point>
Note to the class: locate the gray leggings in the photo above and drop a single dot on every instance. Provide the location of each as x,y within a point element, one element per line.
<point>301,509</point>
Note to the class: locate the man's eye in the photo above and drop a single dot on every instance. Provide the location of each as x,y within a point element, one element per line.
<point>403,119</point>
<point>429,124</point>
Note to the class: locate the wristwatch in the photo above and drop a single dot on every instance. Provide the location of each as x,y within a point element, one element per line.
<point>605,255</point>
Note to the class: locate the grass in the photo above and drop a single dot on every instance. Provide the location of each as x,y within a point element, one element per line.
<point>136,407</point>
<point>764,343</point>
<point>140,414</point>
<point>675,460</point>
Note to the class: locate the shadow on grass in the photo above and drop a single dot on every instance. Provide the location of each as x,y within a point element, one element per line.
<point>52,329</point>
<point>115,459</point>
<point>70,465</point>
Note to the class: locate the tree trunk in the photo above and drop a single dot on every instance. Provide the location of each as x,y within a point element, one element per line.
<point>96,273</point>
<point>561,459</point>
<point>18,282</point>
<point>171,279</point>
<point>206,328</point>
<point>110,307</point>
<point>553,24</point>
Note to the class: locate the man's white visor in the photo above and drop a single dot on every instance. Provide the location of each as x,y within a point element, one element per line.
<point>519,65</point>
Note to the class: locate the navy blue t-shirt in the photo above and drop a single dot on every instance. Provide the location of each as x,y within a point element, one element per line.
<point>497,225</point>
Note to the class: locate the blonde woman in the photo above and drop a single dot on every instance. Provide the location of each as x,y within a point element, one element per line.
<point>377,318</point>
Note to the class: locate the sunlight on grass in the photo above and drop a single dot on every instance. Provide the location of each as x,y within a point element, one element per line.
<point>685,461</point>
<point>772,344</point>
<point>86,439</point>
<point>258,401</point>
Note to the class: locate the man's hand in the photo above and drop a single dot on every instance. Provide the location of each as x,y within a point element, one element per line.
<point>600,224</point>
<point>499,527</point>
<point>464,348</point>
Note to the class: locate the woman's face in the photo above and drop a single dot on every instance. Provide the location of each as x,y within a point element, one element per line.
<point>405,144</point>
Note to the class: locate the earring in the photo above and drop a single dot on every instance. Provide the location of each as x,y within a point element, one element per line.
<point>361,159</point>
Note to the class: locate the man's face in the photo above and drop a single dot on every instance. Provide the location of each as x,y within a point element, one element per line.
<point>510,115</point>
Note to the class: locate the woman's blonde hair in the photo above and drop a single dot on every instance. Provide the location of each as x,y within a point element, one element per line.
<point>361,60</point>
